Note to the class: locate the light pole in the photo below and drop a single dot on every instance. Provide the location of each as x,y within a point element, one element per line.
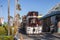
<point>8,17</point>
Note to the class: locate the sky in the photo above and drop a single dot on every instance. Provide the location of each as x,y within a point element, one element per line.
<point>41,6</point>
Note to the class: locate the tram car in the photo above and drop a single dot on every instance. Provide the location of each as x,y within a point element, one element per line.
<point>50,19</point>
<point>33,24</point>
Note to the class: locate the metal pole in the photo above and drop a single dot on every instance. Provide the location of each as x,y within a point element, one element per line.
<point>8,17</point>
<point>1,10</point>
<point>15,9</point>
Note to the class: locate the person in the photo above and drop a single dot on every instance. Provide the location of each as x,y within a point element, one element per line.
<point>52,28</point>
<point>58,25</point>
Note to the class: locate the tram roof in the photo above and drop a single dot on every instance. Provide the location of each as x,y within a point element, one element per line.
<point>52,13</point>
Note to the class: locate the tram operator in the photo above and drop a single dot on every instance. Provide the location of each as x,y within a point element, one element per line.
<point>58,25</point>
<point>52,28</point>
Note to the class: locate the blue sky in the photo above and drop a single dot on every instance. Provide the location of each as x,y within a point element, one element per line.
<point>42,6</point>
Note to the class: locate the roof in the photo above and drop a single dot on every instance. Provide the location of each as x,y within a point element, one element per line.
<point>52,13</point>
<point>56,7</point>
<point>31,13</point>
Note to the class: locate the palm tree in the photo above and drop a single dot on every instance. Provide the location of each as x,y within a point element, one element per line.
<point>18,19</point>
<point>16,15</point>
<point>18,7</point>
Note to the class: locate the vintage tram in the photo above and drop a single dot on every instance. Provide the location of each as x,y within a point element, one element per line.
<point>33,25</point>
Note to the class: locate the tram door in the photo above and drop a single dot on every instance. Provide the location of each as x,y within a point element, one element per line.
<point>53,22</point>
<point>46,25</point>
<point>58,18</point>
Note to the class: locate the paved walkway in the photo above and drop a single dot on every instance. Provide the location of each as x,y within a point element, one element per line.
<point>57,34</point>
<point>45,36</point>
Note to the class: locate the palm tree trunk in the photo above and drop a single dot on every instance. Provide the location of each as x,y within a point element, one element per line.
<point>8,17</point>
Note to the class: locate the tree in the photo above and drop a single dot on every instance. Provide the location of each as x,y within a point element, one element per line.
<point>3,31</point>
<point>16,16</point>
<point>18,19</point>
<point>18,7</point>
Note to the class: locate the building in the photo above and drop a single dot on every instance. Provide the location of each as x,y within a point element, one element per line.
<point>52,18</point>
<point>33,23</point>
<point>1,20</point>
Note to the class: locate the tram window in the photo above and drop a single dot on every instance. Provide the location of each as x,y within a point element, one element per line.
<point>53,19</point>
<point>46,25</point>
<point>48,21</point>
<point>40,22</point>
<point>33,22</point>
<point>58,18</point>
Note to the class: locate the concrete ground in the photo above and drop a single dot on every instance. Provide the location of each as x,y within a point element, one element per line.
<point>42,36</point>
